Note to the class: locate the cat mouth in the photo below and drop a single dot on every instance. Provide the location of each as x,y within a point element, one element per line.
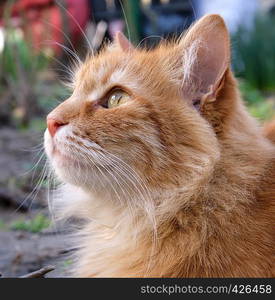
<point>68,155</point>
<point>59,153</point>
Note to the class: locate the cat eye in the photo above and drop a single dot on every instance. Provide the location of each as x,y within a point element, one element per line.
<point>116,98</point>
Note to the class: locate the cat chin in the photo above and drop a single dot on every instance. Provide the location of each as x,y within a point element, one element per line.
<point>66,168</point>
<point>70,176</point>
<point>91,184</point>
<point>72,171</point>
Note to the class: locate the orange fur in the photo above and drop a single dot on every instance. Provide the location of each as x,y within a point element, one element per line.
<point>269,131</point>
<point>164,189</point>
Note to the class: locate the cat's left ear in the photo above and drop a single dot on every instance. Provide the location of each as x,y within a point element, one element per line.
<point>205,53</point>
<point>123,42</point>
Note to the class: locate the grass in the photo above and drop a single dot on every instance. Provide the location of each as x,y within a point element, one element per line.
<point>67,263</point>
<point>263,111</point>
<point>35,225</point>
<point>257,104</point>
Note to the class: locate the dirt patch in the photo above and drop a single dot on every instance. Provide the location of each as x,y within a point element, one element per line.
<point>24,252</point>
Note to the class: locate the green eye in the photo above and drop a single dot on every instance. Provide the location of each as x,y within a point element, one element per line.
<point>117,98</point>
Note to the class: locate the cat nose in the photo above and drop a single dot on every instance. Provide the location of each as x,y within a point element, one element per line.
<point>53,125</point>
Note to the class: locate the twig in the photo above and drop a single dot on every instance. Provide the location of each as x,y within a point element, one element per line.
<point>39,273</point>
<point>65,251</point>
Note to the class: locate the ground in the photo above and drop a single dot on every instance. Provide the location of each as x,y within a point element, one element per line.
<point>28,239</point>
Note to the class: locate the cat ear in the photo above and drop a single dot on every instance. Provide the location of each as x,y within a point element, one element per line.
<point>206,57</point>
<point>123,42</point>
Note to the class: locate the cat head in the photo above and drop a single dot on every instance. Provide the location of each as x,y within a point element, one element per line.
<point>139,115</point>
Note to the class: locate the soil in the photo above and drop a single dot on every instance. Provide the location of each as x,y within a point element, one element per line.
<point>22,252</point>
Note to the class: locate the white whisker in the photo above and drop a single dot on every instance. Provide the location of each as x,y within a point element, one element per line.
<point>77,24</point>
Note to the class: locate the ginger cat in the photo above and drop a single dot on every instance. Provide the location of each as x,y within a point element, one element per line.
<point>160,160</point>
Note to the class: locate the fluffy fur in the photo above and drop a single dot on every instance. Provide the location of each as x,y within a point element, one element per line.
<point>180,181</point>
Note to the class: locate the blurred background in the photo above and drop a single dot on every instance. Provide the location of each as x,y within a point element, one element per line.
<point>40,40</point>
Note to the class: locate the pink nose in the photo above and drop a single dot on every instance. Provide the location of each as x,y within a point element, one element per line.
<point>53,125</point>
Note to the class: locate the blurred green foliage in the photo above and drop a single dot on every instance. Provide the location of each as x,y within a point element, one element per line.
<point>18,57</point>
<point>263,111</point>
<point>19,73</point>
<point>254,64</point>
<point>254,53</point>
<point>28,86</point>
<point>35,225</point>
<point>256,102</point>
<point>251,95</point>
